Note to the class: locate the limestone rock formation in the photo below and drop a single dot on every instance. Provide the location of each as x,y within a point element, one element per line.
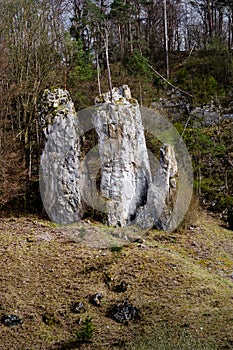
<point>161,193</point>
<point>60,160</point>
<point>125,169</point>
<point>166,185</point>
<point>130,192</point>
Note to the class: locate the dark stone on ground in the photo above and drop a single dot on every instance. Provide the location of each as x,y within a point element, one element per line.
<point>121,288</point>
<point>139,240</point>
<point>96,299</point>
<point>123,312</point>
<point>78,307</point>
<point>11,320</point>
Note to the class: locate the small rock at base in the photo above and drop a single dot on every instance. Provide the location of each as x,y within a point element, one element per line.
<point>124,312</point>
<point>78,308</point>
<point>121,288</point>
<point>96,299</point>
<point>11,320</point>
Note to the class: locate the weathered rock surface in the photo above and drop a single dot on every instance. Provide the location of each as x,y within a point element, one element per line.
<point>176,105</point>
<point>123,311</point>
<point>11,320</point>
<point>125,168</point>
<point>130,192</point>
<point>206,115</point>
<point>60,161</point>
<point>173,105</point>
<point>162,193</point>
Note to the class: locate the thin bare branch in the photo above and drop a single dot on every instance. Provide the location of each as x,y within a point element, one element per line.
<point>168,82</point>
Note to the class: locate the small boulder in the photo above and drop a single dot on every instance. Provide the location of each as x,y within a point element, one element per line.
<point>123,312</point>
<point>121,288</point>
<point>96,299</point>
<point>78,307</point>
<point>11,320</point>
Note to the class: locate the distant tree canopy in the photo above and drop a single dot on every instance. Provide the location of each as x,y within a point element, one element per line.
<point>139,24</point>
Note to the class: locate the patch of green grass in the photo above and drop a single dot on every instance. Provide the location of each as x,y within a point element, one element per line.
<point>116,249</point>
<point>166,337</point>
<point>87,332</point>
<point>82,232</point>
<point>47,223</point>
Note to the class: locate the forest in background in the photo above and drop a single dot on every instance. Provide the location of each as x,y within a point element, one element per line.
<point>60,43</point>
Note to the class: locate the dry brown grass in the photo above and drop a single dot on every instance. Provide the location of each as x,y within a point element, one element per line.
<point>182,280</point>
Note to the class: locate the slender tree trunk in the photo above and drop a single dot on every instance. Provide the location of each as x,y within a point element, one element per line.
<point>121,43</point>
<point>220,22</point>
<point>108,64</point>
<point>229,31</point>
<point>130,38</point>
<point>210,18</point>
<point>98,73</point>
<point>166,38</point>
<point>231,36</point>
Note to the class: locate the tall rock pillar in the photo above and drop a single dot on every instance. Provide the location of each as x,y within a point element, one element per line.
<point>60,160</point>
<point>125,169</point>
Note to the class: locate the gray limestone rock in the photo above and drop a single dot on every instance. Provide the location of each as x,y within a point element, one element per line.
<point>173,105</point>
<point>162,193</point>
<point>60,160</point>
<point>125,169</point>
<point>166,185</point>
<point>128,191</point>
<point>207,115</point>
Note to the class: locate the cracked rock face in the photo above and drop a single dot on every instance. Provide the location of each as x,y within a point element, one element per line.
<point>128,189</point>
<point>60,160</point>
<point>166,186</point>
<point>162,193</point>
<point>125,169</point>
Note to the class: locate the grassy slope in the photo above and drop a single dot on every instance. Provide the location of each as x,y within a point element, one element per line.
<point>182,283</point>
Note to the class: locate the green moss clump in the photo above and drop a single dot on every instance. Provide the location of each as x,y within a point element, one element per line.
<point>116,249</point>
<point>133,101</point>
<point>87,332</point>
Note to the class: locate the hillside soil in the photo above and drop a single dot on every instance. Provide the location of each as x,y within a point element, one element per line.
<point>179,282</point>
